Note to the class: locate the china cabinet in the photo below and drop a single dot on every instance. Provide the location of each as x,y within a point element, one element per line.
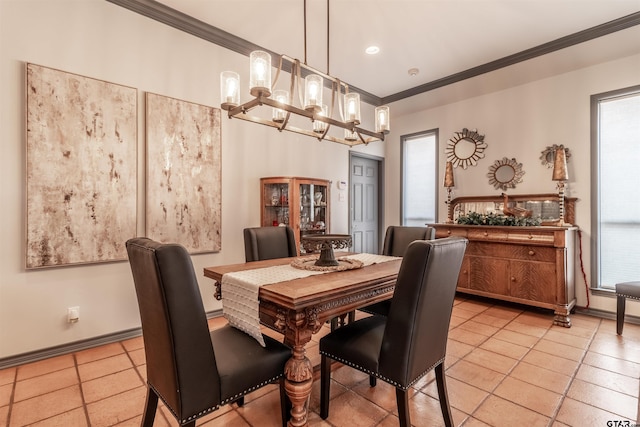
<point>301,203</point>
<point>532,265</point>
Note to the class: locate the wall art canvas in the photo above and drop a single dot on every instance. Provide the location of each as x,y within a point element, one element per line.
<point>183,173</point>
<point>81,168</point>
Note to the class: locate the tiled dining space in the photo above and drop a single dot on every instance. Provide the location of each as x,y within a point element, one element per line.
<point>506,365</point>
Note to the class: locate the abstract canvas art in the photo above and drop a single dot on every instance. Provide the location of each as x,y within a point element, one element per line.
<point>183,173</point>
<point>81,168</point>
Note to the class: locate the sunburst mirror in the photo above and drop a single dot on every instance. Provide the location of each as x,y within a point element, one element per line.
<point>505,173</point>
<point>549,154</point>
<point>465,148</point>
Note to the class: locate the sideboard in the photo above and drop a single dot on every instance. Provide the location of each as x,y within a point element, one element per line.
<point>527,265</point>
<point>532,265</point>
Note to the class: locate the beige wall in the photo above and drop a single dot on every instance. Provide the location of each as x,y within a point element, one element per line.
<point>100,40</point>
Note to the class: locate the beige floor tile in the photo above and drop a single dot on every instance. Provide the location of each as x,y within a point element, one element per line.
<point>612,364</point>
<point>536,318</point>
<point>7,376</point>
<point>551,362</point>
<point>505,348</point>
<point>479,328</point>
<point>45,406</point>
<point>110,385</point>
<point>478,376</point>
<point>475,306</point>
<point>456,321</point>
<point>336,389</point>
<point>561,350</point>
<point>46,383</point>
<point>603,398</point>
<point>616,346</point>
<point>75,418</point>
<point>541,377</point>
<point>529,396</point>
<point>467,337</point>
<point>494,361</point>
<point>462,313</point>
<point>4,415</point>
<point>612,381</point>
<point>474,422</point>
<point>383,394</point>
<point>5,394</point>
<point>348,376</point>
<point>105,366</point>
<point>264,411</point>
<point>98,353</point>
<point>523,328</point>
<point>351,409</point>
<point>491,320</point>
<point>230,419</point>
<point>462,396</point>
<point>45,366</point>
<point>568,339</point>
<point>424,410</point>
<point>575,413</point>
<point>516,338</point>
<point>114,409</point>
<point>504,312</point>
<point>133,343</point>
<point>496,411</point>
<point>575,331</point>
<point>138,356</point>
<point>458,349</point>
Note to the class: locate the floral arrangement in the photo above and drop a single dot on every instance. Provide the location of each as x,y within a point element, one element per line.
<point>474,218</point>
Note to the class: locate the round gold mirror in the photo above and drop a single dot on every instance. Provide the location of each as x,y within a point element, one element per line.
<point>465,148</point>
<point>548,155</point>
<point>505,173</point>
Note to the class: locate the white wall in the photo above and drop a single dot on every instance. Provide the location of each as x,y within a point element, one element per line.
<point>100,40</point>
<point>519,123</point>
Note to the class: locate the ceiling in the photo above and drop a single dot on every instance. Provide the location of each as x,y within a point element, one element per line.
<point>446,40</point>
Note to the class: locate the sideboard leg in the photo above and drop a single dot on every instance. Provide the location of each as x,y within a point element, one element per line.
<point>562,319</point>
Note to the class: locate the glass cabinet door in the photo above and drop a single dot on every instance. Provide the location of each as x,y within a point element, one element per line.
<point>276,204</point>
<point>313,209</point>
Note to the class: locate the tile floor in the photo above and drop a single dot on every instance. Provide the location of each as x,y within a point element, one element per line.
<point>506,365</point>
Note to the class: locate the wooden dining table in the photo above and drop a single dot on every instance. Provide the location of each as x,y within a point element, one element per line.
<point>298,308</point>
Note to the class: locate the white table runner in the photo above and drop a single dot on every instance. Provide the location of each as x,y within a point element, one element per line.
<point>240,304</point>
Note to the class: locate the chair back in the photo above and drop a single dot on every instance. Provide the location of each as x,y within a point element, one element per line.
<point>415,336</point>
<point>397,238</point>
<point>262,243</point>
<point>181,365</point>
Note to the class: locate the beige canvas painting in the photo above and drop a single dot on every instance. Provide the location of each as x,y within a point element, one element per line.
<point>183,173</point>
<point>81,168</point>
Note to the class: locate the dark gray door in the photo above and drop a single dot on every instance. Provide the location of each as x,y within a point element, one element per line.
<point>365,203</point>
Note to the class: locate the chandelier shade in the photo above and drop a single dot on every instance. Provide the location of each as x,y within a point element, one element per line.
<point>342,111</point>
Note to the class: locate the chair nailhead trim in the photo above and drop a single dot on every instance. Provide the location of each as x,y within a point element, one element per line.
<point>216,407</point>
<point>377,375</point>
<point>628,296</point>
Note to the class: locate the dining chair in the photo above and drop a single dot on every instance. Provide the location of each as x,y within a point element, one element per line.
<point>396,240</point>
<point>412,340</point>
<point>193,370</point>
<point>269,242</point>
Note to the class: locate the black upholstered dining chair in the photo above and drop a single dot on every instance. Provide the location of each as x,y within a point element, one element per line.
<point>412,340</point>
<point>396,241</point>
<point>193,370</point>
<point>269,242</point>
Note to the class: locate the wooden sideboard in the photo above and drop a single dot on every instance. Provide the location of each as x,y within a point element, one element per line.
<point>527,265</point>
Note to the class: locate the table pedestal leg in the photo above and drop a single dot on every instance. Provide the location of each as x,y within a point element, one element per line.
<point>298,381</point>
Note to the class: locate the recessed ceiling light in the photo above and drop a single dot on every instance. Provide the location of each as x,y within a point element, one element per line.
<point>372,50</point>
<point>413,71</point>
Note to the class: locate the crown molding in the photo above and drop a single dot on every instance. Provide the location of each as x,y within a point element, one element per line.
<point>166,15</point>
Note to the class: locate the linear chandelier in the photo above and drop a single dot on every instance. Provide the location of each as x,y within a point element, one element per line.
<point>310,104</point>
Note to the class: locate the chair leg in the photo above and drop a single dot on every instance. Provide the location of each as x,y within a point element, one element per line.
<point>443,396</point>
<point>285,404</point>
<point>240,401</point>
<point>620,314</point>
<point>372,381</point>
<point>402,399</point>
<point>150,407</point>
<point>325,386</point>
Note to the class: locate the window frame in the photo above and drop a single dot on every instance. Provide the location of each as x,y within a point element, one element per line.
<point>596,285</point>
<point>436,149</point>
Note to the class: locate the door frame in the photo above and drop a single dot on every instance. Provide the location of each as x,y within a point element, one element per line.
<point>381,172</point>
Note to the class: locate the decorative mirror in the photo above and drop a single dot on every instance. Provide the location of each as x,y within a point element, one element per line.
<point>465,148</point>
<point>549,153</point>
<point>505,173</point>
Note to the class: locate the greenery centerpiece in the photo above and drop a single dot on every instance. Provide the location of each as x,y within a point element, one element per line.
<point>475,218</point>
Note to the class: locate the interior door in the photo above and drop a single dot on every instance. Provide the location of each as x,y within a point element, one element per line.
<point>365,208</point>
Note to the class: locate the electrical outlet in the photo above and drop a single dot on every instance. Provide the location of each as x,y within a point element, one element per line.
<point>73,314</point>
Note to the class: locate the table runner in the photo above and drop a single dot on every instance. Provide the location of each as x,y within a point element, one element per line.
<point>240,304</point>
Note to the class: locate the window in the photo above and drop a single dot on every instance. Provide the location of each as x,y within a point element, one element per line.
<point>419,177</point>
<point>615,122</point>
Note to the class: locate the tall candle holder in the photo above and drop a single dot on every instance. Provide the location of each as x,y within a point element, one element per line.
<point>561,175</point>
<point>449,184</point>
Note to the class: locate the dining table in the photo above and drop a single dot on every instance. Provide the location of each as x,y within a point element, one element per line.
<point>299,307</point>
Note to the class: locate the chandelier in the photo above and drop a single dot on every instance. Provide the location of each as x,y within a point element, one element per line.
<point>309,84</point>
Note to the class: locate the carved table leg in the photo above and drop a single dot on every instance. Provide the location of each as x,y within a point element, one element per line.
<point>298,381</point>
